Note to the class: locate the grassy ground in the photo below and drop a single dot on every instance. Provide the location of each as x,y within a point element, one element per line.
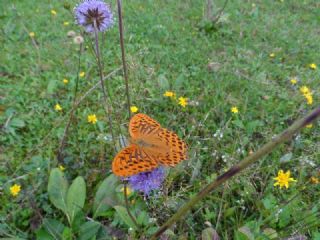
<point>247,60</point>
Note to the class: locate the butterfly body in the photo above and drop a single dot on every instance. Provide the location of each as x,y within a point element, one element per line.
<point>150,146</point>
<point>141,143</point>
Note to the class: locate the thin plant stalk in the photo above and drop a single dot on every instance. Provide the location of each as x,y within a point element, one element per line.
<point>123,56</point>
<point>218,15</point>
<point>125,187</point>
<point>209,15</point>
<point>107,107</point>
<point>237,168</point>
<point>125,73</point>
<point>66,130</point>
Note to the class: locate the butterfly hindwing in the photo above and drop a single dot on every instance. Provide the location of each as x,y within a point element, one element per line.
<point>168,148</point>
<point>132,160</point>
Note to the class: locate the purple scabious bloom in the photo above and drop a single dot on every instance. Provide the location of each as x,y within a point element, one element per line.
<point>90,11</point>
<point>147,181</point>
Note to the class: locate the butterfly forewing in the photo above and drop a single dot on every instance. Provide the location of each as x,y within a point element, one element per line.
<point>132,160</point>
<point>142,125</point>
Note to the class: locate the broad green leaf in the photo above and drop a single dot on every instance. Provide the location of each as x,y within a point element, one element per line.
<point>104,234</point>
<point>53,227</point>
<point>67,234</point>
<point>57,189</point>
<point>209,234</point>
<point>89,230</point>
<point>269,202</point>
<point>78,220</point>
<point>316,235</point>
<point>285,216</point>
<point>106,196</point>
<point>122,212</point>
<point>143,218</point>
<point>43,234</point>
<point>238,123</point>
<point>76,197</point>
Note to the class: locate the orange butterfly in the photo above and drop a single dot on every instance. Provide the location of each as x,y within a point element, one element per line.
<point>151,146</point>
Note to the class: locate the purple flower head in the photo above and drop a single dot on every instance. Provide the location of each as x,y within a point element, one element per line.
<point>147,181</point>
<point>91,12</point>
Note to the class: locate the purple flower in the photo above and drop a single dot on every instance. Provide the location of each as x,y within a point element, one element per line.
<point>90,11</point>
<point>147,181</point>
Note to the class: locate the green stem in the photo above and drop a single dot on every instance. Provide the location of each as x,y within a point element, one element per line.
<point>123,56</point>
<point>218,15</point>
<point>66,130</point>
<point>125,73</point>
<point>125,187</point>
<point>264,150</point>
<point>107,107</point>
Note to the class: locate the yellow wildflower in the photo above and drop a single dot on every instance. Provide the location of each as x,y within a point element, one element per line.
<point>183,101</point>
<point>62,168</point>
<point>15,189</point>
<point>53,12</point>
<point>92,119</point>
<point>309,125</point>
<point>314,180</point>
<point>304,90</point>
<point>65,81</point>
<point>309,98</point>
<point>313,66</point>
<point>82,74</point>
<point>57,107</point>
<point>66,23</point>
<point>272,55</point>
<point>169,94</point>
<point>32,34</point>
<point>234,109</point>
<point>293,81</point>
<point>283,179</point>
<point>129,190</point>
<point>134,109</point>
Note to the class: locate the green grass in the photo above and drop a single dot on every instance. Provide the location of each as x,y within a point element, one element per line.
<point>166,50</point>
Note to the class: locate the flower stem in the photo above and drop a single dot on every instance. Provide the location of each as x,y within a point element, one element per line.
<point>66,130</point>
<point>125,73</point>
<point>107,107</point>
<point>218,15</point>
<point>123,56</point>
<point>237,168</point>
<point>125,187</point>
